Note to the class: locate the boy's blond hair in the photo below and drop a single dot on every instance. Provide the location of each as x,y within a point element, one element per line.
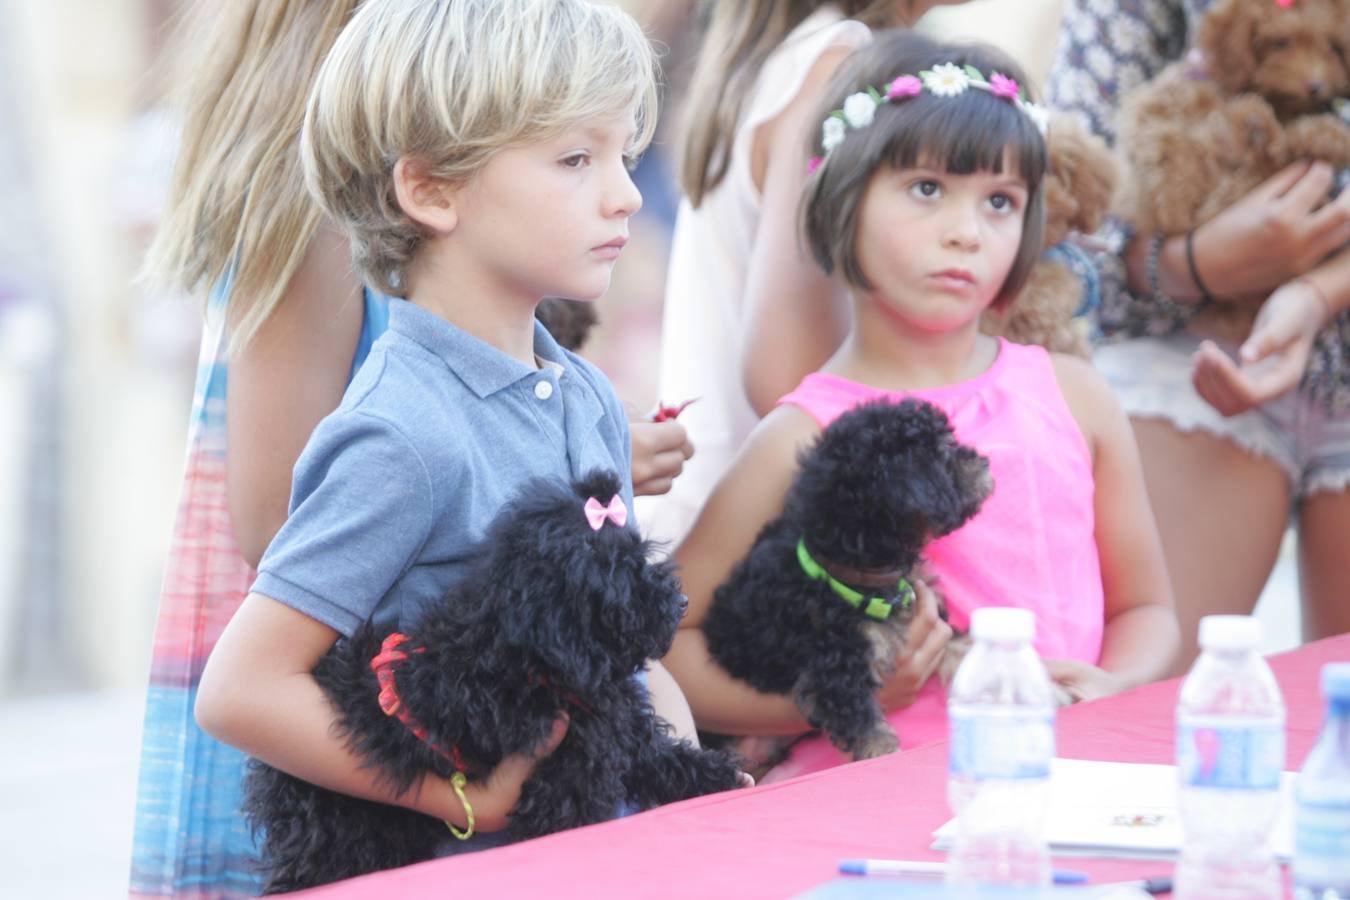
<point>451,82</point>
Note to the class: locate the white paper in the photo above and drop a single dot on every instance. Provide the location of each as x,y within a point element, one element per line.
<point>1125,810</point>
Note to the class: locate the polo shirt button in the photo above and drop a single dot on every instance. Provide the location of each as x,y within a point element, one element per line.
<point>543,389</point>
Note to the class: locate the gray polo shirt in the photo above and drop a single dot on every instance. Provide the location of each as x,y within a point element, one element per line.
<point>434,434</point>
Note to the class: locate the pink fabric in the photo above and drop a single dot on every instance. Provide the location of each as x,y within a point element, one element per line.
<point>781,840</point>
<point>1032,545</point>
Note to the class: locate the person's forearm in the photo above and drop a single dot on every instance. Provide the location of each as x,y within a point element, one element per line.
<point>724,704</point>
<point>1331,280</point>
<point>1139,644</point>
<point>290,726</point>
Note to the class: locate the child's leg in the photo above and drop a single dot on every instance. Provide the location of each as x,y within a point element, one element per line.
<point>1324,577</point>
<point>1221,513</point>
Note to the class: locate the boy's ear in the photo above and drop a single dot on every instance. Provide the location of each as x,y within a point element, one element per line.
<point>427,200</point>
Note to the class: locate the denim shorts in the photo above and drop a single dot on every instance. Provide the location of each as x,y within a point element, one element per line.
<point>1151,376</point>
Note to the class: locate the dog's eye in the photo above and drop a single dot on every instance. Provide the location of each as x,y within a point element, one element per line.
<point>1277,43</point>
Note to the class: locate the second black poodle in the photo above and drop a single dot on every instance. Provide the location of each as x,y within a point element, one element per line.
<point>560,611</point>
<point>819,606</point>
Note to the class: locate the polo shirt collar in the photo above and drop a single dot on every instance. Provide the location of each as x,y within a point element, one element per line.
<point>483,368</point>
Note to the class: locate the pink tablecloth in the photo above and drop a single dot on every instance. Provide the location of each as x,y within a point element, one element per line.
<point>779,840</point>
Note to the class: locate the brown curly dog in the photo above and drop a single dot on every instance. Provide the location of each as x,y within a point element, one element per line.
<point>1256,97</point>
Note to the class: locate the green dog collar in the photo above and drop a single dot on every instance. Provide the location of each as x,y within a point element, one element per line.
<point>873,607</point>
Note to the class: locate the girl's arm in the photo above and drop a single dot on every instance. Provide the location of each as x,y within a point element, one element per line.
<point>746,499</point>
<point>290,376</point>
<point>257,694</point>
<point>1273,358</point>
<point>796,316</point>
<point>1141,635</point>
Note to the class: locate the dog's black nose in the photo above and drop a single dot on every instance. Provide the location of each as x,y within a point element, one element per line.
<point>1317,88</point>
<point>684,604</point>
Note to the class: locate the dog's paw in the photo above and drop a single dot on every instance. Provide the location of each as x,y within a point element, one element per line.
<point>1323,137</point>
<point>879,743</point>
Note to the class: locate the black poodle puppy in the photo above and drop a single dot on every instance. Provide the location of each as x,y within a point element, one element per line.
<point>819,606</point>
<point>560,611</point>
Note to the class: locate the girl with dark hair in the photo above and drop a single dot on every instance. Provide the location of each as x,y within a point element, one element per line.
<point>926,195</point>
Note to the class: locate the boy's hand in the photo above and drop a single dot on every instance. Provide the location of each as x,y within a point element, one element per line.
<point>1272,359</point>
<point>1083,681</point>
<point>659,452</point>
<point>925,641</point>
<point>495,796</point>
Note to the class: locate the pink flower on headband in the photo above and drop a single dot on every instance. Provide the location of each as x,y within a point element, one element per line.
<point>597,513</point>
<point>814,163</point>
<point>1284,4</point>
<point>904,86</point>
<point>1001,85</point>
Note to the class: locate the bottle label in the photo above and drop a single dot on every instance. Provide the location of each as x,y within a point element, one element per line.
<point>1017,746</point>
<point>1238,757</point>
<point>1322,832</point>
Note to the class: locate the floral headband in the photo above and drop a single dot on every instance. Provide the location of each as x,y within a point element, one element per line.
<point>943,80</point>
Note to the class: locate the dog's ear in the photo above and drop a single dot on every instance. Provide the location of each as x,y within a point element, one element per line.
<point>1082,179</point>
<point>1227,38</point>
<point>641,609</point>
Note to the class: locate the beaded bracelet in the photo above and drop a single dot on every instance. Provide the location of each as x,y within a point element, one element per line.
<point>457,781</point>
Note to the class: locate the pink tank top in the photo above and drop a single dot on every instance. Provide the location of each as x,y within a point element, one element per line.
<point>1032,543</point>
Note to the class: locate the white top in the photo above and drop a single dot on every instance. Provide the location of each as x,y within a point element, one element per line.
<point>703,321</point>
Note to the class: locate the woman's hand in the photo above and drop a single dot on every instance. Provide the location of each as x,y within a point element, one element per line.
<point>1272,360</point>
<point>925,641</point>
<point>1084,681</point>
<point>1277,232</point>
<point>659,452</point>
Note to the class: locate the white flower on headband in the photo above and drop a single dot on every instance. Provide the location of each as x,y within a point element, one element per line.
<point>945,80</point>
<point>832,133</point>
<point>1039,115</point>
<point>859,110</point>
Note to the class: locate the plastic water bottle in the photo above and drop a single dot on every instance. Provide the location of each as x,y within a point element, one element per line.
<point>1230,753</point>
<point>1322,817</point>
<point>1002,716</point>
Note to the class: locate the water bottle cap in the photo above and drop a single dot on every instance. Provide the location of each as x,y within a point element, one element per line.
<point>1336,681</point>
<point>1003,623</point>
<point>1229,632</point>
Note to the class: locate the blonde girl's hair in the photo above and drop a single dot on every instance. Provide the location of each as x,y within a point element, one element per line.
<point>739,38</point>
<point>237,207</point>
<point>451,82</point>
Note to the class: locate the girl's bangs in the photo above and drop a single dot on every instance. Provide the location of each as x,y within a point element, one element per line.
<point>962,137</point>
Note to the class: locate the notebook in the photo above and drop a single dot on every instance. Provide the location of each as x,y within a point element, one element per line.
<point>1125,810</point>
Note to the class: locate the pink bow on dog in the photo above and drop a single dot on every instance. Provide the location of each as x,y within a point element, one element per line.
<point>616,512</point>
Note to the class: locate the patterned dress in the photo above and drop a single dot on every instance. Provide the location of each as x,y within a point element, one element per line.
<point>190,838</point>
<point>1106,48</point>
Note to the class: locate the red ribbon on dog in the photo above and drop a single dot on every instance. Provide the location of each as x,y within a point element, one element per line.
<point>390,702</point>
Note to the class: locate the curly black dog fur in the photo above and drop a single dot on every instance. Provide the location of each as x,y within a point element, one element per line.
<point>882,481</point>
<point>554,615</point>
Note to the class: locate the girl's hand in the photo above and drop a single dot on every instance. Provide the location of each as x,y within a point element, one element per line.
<point>659,452</point>
<point>925,640</point>
<point>1277,232</point>
<point>494,797</point>
<point>1272,359</point>
<point>1084,681</point>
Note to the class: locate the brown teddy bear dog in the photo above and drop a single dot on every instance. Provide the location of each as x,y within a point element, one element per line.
<point>1257,95</point>
<point>1079,188</point>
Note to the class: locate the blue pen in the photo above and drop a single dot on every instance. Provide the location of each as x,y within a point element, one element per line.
<point>934,870</point>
